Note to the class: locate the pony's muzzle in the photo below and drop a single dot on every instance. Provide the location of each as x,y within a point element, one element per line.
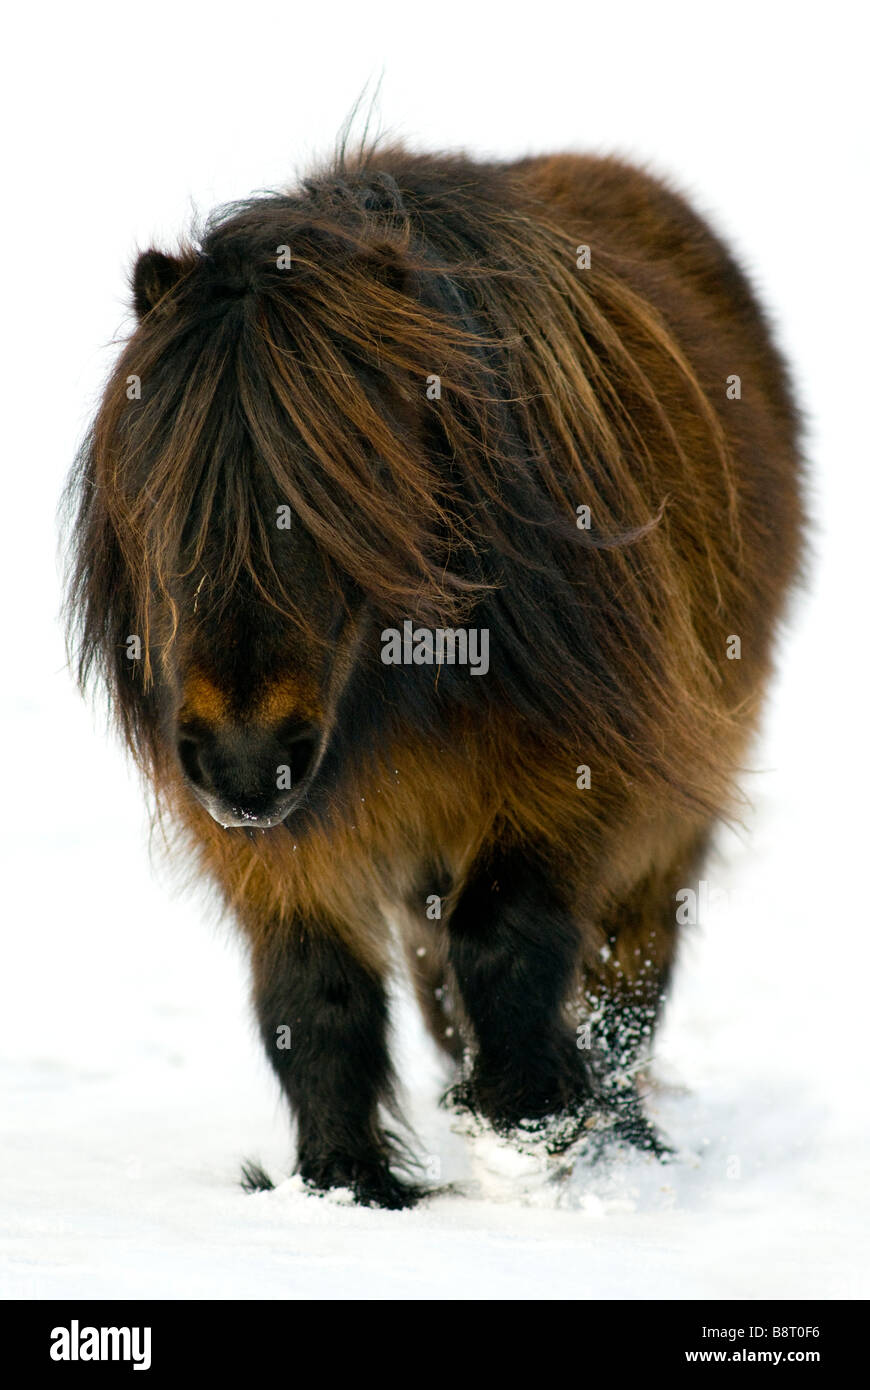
<point>249,776</point>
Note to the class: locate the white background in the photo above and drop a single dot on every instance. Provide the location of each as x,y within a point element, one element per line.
<point>133,1083</point>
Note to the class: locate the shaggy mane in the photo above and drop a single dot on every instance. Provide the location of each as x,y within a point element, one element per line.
<point>307,386</point>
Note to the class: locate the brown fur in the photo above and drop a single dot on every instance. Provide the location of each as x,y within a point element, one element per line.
<point>560,386</point>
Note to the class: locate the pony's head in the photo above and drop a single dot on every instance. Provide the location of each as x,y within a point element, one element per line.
<point>377,399</point>
<point>262,490</point>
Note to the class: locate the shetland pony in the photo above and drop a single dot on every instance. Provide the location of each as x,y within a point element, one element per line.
<point>418,404</point>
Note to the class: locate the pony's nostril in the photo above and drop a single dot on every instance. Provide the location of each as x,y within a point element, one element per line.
<point>302,756</point>
<point>188,756</point>
<point>300,741</point>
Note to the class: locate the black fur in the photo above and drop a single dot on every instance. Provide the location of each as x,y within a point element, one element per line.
<point>336,1073</point>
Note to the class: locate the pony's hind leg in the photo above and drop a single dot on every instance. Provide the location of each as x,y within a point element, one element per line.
<point>424,938</point>
<point>627,989</point>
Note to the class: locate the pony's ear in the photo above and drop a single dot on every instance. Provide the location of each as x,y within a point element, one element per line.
<point>154,274</point>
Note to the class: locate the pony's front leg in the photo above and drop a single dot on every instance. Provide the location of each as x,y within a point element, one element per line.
<point>514,947</point>
<point>322,1012</point>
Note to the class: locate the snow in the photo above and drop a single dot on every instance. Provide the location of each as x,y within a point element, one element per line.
<point>133,1083</point>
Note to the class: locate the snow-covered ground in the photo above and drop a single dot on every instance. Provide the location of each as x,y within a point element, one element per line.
<point>133,1084</point>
